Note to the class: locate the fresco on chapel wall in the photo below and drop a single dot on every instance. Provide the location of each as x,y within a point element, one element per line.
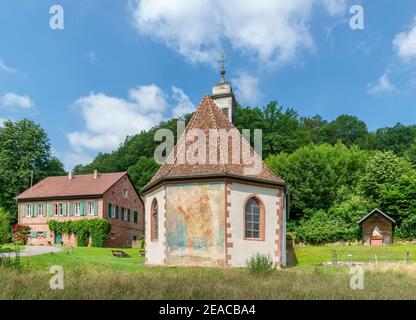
<point>195,216</point>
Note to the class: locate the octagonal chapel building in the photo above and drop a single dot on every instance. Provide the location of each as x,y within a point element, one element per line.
<point>214,213</point>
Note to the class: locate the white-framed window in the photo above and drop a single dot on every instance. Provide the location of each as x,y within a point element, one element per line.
<point>113,236</point>
<point>28,210</point>
<point>61,209</point>
<point>77,209</point>
<point>56,209</point>
<point>40,234</point>
<point>125,193</point>
<point>91,208</point>
<point>40,210</point>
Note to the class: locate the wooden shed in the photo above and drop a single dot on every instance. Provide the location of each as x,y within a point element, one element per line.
<point>377,228</point>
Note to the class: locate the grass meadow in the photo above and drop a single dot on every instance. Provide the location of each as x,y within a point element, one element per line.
<point>92,273</point>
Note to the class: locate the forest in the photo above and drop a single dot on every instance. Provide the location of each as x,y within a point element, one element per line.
<point>337,171</point>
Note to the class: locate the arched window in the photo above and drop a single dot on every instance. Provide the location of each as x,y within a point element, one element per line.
<point>155,221</point>
<point>254,219</point>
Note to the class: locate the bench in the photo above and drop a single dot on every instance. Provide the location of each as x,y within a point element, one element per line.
<point>119,254</point>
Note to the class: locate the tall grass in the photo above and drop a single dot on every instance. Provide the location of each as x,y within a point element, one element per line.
<point>183,284</point>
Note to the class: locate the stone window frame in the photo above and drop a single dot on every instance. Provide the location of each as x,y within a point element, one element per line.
<point>262,218</point>
<point>154,221</point>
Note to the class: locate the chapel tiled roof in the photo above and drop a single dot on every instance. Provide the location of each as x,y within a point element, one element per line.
<point>78,186</point>
<point>209,116</point>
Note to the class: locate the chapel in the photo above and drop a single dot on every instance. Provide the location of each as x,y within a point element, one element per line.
<point>214,213</point>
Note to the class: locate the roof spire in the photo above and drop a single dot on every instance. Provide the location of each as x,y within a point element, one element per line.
<point>222,62</point>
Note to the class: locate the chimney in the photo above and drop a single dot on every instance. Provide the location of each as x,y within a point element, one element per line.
<point>70,175</point>
<point>95,174</point>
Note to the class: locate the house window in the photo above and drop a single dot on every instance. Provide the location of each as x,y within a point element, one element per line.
<point>91,208</point>
<point>111,211</point>
<point>29,210</point>
<point>61,209</point>
<point>154,221</point>
<point>122,214</point>
<point>225,111</point>
<point>135,217</point>
<point>113,236</point>
<point>77,209</point>
<point>40,210</point>
<point>40,234</point>
<point>125,193</point>
<point>254,219</point>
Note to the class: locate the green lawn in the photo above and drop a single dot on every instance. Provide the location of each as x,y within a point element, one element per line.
<point>311,255</point>
<point>79,257</point>
<point>92,273</point>
<point>10,248</point>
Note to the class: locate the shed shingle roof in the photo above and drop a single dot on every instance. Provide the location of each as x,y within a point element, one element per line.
<point>80,185</point>
<point>208,116</point>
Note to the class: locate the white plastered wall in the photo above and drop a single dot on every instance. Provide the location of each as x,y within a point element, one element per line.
<point>241,249</point>
<point>155,250</point>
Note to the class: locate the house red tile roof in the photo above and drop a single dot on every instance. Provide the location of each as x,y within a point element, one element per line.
<point>209,116</point>
<point>80,185</point>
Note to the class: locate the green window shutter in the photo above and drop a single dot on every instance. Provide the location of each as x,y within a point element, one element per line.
<point>33,210</point>
<point>96,208</point>
<point>45,234</point>
<point>64,209</point>
<point>83,208</point>
<point>50,210</point>
<point>22,210</point>
<point>128,215</point>
<point>122,214</point>
<point>135,220</point>
<point>71,209</point>
<point>109,210</point>
<point>116,212</point>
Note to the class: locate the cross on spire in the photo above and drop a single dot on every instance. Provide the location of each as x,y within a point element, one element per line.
<point>222,62</point>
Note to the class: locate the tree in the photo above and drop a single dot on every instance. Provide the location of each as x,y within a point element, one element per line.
<point>143,171</point>
<point>410,154</point>
<point>318,175</point>
<point>396,139</point>
<point>282,130</point>
<point>382,170</point>
<point>24,148</point>
<point>398,199</point>
<point>314,125</point>
<point>348,129</point>
<point>4,227</point>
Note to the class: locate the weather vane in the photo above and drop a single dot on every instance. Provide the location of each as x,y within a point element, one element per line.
<point>222,62</point>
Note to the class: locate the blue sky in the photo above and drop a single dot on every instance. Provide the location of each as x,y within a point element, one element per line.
<point>119,67</point>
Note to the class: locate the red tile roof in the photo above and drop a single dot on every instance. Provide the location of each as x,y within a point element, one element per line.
<point>209,116</point>
<point>80,185</point>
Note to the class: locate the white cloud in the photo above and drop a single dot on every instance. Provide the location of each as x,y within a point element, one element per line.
<point>183,103</point>
<point>71,159</point>
<point>14,100</point>
<point>274,31</point>
<point>6,68</point>
<point>247,88</point>
<point>91,56</point>
<point>382,86</point>
<point>334,7</point>
<point>148,98</point>
<point>108,120</point>
<point>404,43</point>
